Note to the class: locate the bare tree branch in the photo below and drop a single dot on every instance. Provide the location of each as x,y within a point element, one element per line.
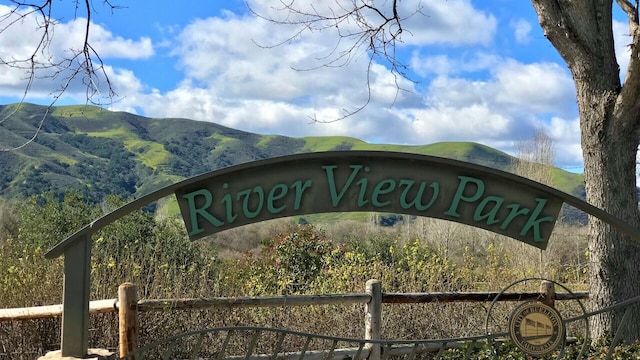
<point>630,10</point>
<point>360,24</point>
<point>568,28</point>
<point>628,101</point>
<point>79,64</point>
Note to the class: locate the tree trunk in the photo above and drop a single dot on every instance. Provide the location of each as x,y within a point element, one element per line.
<point>582,33</point>
<point>610,185</point>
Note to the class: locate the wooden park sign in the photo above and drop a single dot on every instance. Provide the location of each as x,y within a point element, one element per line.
<point>342,181</point>
<point>370,182</point>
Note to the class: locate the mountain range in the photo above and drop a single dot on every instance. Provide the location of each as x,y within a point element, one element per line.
<point>100,152</point>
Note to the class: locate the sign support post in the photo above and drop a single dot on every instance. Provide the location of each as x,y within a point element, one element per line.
<point>75,310</point>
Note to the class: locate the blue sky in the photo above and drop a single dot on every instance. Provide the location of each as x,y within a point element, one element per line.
<point>483,72</point>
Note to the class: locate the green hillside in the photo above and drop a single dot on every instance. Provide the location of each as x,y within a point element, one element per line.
<point>100,152</point>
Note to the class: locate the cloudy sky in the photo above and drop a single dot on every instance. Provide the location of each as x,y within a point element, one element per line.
<point>479,71</point>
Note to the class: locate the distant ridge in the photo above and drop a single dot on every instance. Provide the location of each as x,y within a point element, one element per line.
<point>100,152</point>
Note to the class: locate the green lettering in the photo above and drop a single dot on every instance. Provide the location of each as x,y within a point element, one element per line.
<point>300,188</point>
<point>417,200</point>
<point>335,196</point>
<point>228,205</point>
<point>515,211</point>
<point>534,223</point>
<point>363,192</point>
<point>490,216</point>
<point>245,202</point>
<point>194,212</point>
<point>276,193</point>
<point>382,188</point>
<point>459,196</point>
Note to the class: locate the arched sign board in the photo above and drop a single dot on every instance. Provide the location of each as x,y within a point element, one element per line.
<point>331,182</point>
<point>370,182</point>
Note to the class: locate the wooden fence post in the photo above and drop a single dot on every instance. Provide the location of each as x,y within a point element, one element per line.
<point>548,290</point>
<point>373,318</point>
<point>128,315</point>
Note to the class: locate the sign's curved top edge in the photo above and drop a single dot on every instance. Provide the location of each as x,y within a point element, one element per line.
<point>97,224</point>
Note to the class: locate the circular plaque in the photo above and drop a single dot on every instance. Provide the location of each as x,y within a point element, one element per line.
<point>536,328</point>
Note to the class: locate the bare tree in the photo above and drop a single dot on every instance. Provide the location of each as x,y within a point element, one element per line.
<point>78,64</point>
<point>534,158</point>
<point>581,31</point>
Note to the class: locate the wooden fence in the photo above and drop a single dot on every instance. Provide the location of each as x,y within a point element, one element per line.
<point>373,299</point>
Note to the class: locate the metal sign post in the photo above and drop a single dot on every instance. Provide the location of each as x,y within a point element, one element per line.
<point>75,301</point>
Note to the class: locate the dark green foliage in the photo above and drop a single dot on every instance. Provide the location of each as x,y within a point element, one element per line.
<point>115,176</point>
<point>8,221</point>
<point>136,126</point>
<point>9,164</point>
<point>35,183</point>
<point>483,155</point>
<point>45,220</point>
<point>379,247</point>
<point>98,146</point>
<point>192,154</point>
<point>155,254</point>
<point>110,170</point>
<point>53,125</point>
<point>343,147</point>
<point>298,253</point>
<point>26,277</point>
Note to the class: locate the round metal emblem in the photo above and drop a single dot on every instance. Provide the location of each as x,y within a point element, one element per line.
<point>536,328</point>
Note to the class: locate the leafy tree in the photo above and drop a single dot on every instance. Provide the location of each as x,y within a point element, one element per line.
<point>8,221</point>
<point>45,221</point>
<point>298,254</point>
<point>154,254</point>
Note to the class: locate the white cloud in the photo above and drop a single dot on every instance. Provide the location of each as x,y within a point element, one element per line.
<point>538,87</point>
<point>70,35</point>
<point>521,30</point>
<point>513,88</point>
<point>475,121</point>
<point>453,22</point>
<point>566,138</point>
<point>124,80</point>
<point>291,72</point>
<point>446,65</point>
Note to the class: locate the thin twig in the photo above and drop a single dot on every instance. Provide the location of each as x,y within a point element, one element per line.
<point>84,64</point>
<point>377,31</point>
